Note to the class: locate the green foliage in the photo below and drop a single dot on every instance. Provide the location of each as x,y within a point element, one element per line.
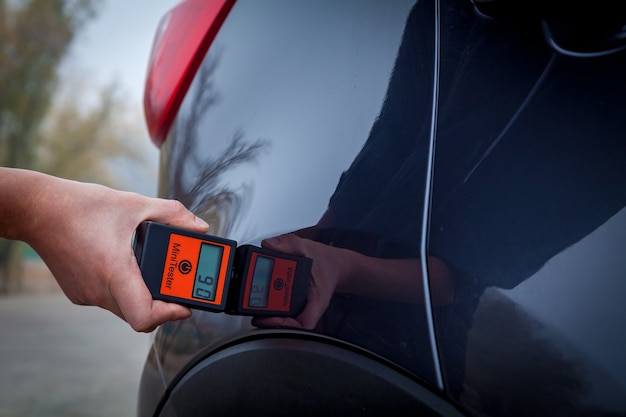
<point>35,35</point>
<point>79,141</point>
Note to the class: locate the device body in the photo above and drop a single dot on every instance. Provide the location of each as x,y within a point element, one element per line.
<point>184,267</point>
<point>268,283</point>
<point>210,273</point>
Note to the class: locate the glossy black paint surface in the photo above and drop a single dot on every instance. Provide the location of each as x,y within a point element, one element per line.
<point>308,108</point>
<point>270,373</point>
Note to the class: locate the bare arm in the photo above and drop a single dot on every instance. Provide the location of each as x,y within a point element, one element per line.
<point>83,232</point>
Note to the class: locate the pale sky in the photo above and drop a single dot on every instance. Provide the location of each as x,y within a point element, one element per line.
<point>115,47</point>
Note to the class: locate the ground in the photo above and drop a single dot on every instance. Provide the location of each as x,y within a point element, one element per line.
<point>58,359</point>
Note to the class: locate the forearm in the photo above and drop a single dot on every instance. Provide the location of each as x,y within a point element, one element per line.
<point>398,280</point>
<point>61,219</point>
<point>21,196</point>
<point>41,209</point>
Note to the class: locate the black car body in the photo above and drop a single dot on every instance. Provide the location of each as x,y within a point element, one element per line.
<point>489,136</point>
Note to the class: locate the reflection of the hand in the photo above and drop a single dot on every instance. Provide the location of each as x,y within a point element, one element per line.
<point>339,270</point>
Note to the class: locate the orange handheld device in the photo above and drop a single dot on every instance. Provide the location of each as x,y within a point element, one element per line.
<point>268,283</point>
<point>185,267</point>
<point>210,273</point>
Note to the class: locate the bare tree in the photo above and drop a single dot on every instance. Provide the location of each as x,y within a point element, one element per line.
<point>79,142</point>
<point>34,37</point>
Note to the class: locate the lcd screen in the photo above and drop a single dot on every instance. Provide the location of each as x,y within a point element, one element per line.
<point>209,263</point>
<point>260,282</point>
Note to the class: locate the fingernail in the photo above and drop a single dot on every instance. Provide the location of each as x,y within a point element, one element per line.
<point>273,241</point>
<point>201,222</point>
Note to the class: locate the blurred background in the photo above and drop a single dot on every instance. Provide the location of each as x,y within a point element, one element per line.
<point>71,87</point>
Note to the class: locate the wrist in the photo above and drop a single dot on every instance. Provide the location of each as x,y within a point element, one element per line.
<point>21,195</point>
<point>346,265</point>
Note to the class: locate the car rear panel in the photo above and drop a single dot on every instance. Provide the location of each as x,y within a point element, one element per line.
<point>528,210</point>
<point>318,115</point>
<point>282,104</point>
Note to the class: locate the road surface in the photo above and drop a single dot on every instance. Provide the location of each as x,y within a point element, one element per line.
<point>58,359</point>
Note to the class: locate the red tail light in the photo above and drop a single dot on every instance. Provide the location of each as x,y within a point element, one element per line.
<point>183,37</point>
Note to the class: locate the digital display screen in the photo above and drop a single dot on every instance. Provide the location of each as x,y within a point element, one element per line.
<point>209,263</point>
<point>260,282</point>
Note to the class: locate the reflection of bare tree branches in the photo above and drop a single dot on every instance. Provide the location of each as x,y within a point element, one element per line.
<point>209,198</point>
<point>204,193</point>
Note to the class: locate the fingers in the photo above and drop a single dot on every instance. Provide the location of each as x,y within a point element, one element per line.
<point>159,313</point>
<point>174,213</point>
<point>134,304</point>
<point>276,322</point>
<point>287,243</point>
<point>100,227</point>
<point>131,300</point>
<point>317,303</point>
<point>318,295</point>
<point>133,297</point>
<point>148,314</point>
<point>162,312</point>
<point>308,319</point>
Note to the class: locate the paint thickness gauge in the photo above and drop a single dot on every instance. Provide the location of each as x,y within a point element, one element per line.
<point>211,273</point>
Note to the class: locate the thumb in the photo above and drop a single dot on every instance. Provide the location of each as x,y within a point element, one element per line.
<point>287,243</point>
<point>273,243</point>
<point>174,213</point>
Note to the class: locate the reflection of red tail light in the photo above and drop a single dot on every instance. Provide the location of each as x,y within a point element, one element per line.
<point>183,37</point>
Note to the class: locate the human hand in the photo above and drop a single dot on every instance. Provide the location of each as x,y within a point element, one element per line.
<point>338,270</point>
<point>329,264</point>
<point>83,232</point>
